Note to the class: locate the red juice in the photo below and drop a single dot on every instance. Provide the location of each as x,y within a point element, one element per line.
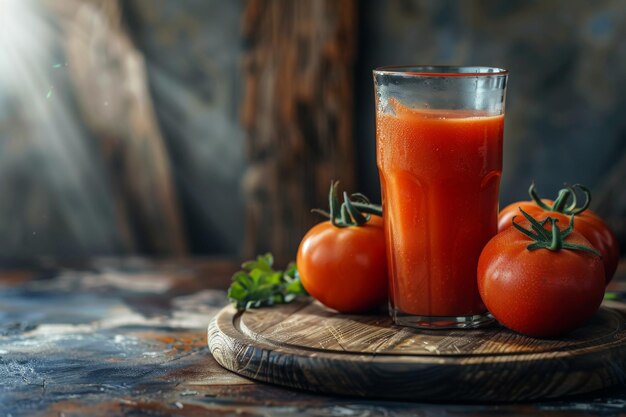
<point>440,175</point>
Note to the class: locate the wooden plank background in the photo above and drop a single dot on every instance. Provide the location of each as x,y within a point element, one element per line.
<point>169,128</point>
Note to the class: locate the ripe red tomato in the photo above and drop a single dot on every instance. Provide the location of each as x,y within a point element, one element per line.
<point>539,292</point>
<point>588,223</point>
<point>345,268</point>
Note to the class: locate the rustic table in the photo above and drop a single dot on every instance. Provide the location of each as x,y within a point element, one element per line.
<point>128,337</point>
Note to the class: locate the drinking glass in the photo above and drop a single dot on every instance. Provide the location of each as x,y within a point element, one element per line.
<point>439,155</point>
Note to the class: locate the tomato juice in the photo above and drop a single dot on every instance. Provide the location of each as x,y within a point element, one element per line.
<point>440,174</point>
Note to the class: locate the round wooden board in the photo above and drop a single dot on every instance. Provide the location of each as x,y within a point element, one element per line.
<point>309,347</point>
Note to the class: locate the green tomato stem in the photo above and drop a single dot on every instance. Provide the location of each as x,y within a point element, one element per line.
<point>560,204</point>
<point>543,239</point>
<point>356,210</point>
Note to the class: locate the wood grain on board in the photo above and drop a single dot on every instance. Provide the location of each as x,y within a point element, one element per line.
<point>307,346</point>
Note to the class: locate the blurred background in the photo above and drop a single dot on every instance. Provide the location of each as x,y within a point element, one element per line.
<point>202,127</point>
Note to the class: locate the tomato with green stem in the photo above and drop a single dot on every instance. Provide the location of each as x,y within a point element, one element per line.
<point>541,281</point>
<point>588,223</point>
<point>342,262</point>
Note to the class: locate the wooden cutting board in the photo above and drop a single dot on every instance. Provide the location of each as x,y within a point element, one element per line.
<point>309,347</point>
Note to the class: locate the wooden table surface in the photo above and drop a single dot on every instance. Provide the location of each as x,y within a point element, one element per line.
<point>128,337</point>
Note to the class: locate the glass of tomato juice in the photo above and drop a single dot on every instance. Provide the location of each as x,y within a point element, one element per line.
<point>439,155</point>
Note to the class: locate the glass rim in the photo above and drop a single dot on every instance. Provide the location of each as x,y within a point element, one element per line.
<point>441,71</point>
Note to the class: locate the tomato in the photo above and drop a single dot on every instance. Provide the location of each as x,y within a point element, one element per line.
<point>588,223</point>
<point>345,268</point>
<point>540,292</point>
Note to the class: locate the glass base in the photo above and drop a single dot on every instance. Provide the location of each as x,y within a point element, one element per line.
<point>441,322</point>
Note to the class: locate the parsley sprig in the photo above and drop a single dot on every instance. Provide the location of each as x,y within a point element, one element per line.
<point>259,285</point>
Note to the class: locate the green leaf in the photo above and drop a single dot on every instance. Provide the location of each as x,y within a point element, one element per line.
<point>258,284</point>
<point>611,296</point>
<point>291,270</point>
<point>267,259</point>
<point>296,288</point>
